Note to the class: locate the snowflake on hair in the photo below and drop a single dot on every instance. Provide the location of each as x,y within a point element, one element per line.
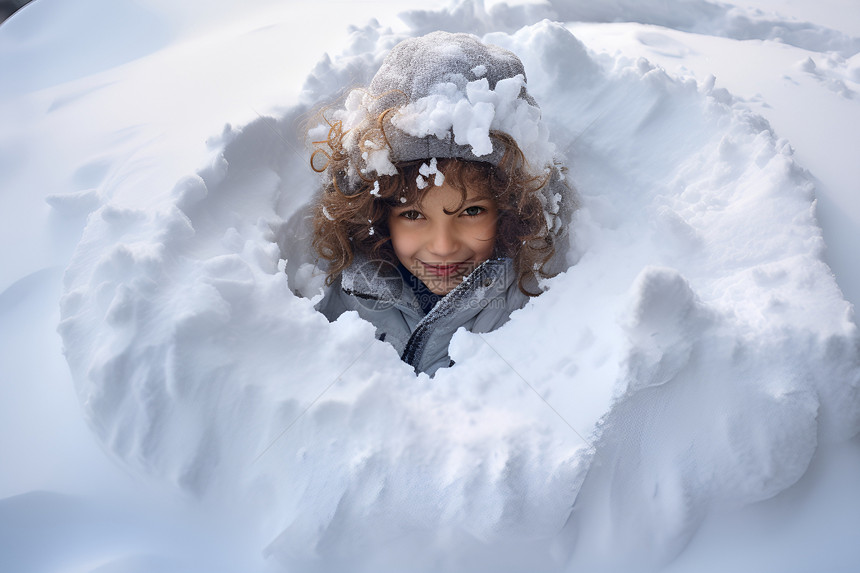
<point>425,171</point>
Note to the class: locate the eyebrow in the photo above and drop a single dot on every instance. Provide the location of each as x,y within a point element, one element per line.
<point>481,196</point>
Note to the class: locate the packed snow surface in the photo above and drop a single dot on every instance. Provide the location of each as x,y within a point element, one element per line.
<point>696,355</point>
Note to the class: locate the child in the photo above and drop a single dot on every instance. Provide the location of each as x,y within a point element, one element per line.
<point>441,204</point>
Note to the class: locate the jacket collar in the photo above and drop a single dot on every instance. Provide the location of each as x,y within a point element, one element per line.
<point>381,280</point>
<point>372,278</point>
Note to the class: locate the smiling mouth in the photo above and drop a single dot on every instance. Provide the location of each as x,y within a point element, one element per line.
<point>443,271</point>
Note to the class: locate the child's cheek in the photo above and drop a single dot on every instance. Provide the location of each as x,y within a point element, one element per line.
<point>402,241</point>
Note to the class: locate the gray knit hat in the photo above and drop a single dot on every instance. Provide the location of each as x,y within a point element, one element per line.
<point>441,95</point>
<point>438,62</point>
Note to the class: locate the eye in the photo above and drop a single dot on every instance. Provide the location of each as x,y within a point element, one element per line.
<point>473,211</point>
<point>412,215</point>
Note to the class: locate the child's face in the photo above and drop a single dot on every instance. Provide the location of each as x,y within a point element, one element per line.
<point>438,248</point>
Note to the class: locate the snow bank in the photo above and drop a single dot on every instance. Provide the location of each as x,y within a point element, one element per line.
<point>694,355</point>
<point>701,16</point>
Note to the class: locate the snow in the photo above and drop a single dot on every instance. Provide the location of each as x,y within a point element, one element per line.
<point>424,173</point>
<point>684,397</point>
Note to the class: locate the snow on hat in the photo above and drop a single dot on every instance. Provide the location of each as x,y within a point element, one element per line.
<point>442,95</point>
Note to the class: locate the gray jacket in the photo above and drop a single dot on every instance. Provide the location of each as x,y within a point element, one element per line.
<point>375,289</point>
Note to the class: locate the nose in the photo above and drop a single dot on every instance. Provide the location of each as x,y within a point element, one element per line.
<point>442,243</point>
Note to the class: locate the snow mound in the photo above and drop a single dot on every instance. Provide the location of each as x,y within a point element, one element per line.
<point>694,355</point>
<point>698,16</point>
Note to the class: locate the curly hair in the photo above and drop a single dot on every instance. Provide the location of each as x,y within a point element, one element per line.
<point>351,213</point>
